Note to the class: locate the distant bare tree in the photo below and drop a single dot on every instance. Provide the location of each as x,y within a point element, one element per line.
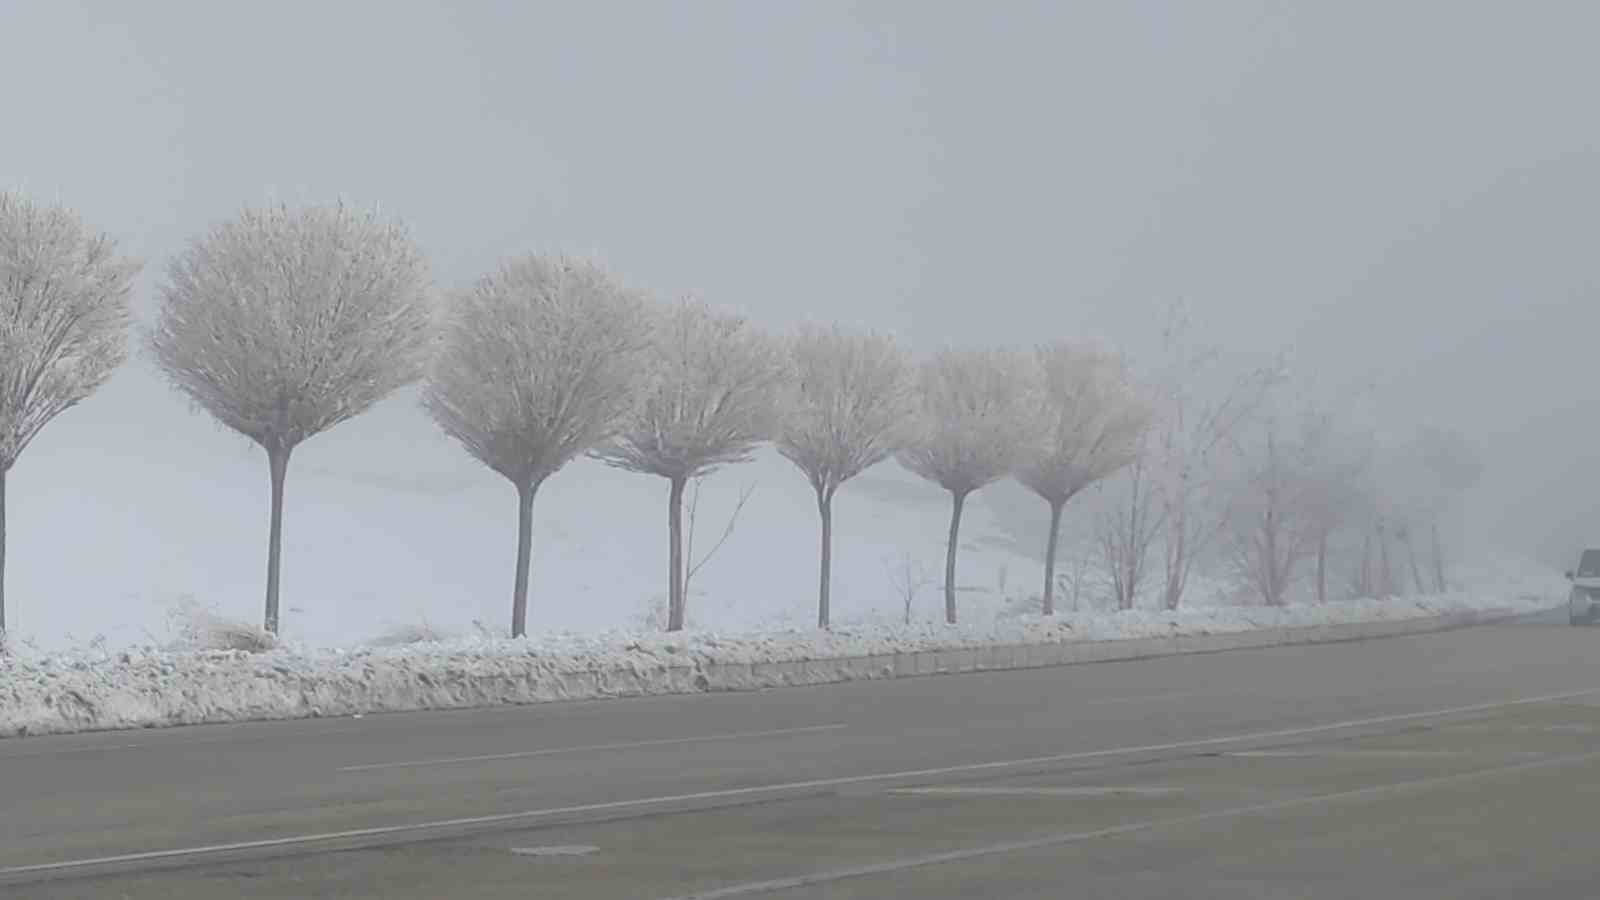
<point>1387,586</point>
<point>710,401</point>
<point>1268,534</point>
<point>63,325</point>
<point>1090,421</point>
<point>908,577</point>
<point>1191,429</point>
<point>1364,579</point>
<point>968,429</point>
<point>846,411</point>
<point>284,323</point>
<point>1418,475</point>
<point>1334,465</point>
<point>539,362</point>
<point>1127,528</point>
<point>1454,467</point>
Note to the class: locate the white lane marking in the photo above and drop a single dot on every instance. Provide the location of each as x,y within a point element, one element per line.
<point>1075,837</point>
<point>55,753</point>
<point>1537,729</point>
<point>1333,754</point>
<point>1037,791</point>
<point>775,788</point>
<point>1111,701</point>
<point>553,751</point>
<point>572,850</point>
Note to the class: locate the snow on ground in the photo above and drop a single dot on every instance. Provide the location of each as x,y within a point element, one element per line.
<point>97,688</point>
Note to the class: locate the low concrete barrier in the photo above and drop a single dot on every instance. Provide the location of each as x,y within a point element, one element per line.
<point>1035,656</point>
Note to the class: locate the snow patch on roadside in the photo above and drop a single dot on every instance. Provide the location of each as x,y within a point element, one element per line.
<point>98,689</point>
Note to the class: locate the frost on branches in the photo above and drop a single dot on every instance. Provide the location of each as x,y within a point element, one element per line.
<point>709,400</point>
<point>967,430</point>
<point>1089,420</point>
<point>845,411</point>
<point>538,363</point>
<point>283,323</point>
<point>63,324</point>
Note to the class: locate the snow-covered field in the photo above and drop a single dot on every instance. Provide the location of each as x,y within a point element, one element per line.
<point>425,536</point>
<point>421,535</point>
<point>421,541</point>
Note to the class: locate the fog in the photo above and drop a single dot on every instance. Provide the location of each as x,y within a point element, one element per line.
<point>1407,194</point>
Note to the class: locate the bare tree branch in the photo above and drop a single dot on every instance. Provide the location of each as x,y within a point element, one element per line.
<point>727,531</point>
<point>1127,528</point>
<point>709,400</point>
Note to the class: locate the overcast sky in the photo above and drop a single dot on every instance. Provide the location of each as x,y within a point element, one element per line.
<point>1402,189</point>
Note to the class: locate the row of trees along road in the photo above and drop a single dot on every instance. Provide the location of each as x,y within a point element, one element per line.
<point>283,323</point>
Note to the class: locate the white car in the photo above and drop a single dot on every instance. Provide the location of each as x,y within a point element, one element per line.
<point>1583,604</point>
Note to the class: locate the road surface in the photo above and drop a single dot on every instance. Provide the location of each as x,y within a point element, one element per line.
<point>1461,764</point>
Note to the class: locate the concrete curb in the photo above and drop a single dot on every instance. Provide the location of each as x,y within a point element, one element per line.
<point>1003,657</point>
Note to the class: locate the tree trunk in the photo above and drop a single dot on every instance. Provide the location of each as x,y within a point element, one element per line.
<point>519,591</point>
<point>3,474</point>
<point>1130,551</point>
<point>1364,585</point>
<point>278,466</point>
<point>958,499</point>
<point>1322,569</point>
<point>825,510</point>
<point>1173,590</point>
<point>1386,575</point>
<point>1416,570</point>
<point>1270,563</point>
<point>1078,563</point>
<point>675,586</point>
<point>1438,562</point>
<point>1050,558</point>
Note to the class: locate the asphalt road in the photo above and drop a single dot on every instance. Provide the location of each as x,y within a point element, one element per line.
<point>1462,764</point>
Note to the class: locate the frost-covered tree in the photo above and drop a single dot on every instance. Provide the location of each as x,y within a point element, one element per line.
<point>1089,420</point>
<point>63,324</point>
<point>538,363</point>
<point>710,400</point>
<point>845,411</point>
<point>968,427</point>
<point>282,323</point>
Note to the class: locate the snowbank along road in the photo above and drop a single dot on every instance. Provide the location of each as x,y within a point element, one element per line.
<point>98,690</point>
